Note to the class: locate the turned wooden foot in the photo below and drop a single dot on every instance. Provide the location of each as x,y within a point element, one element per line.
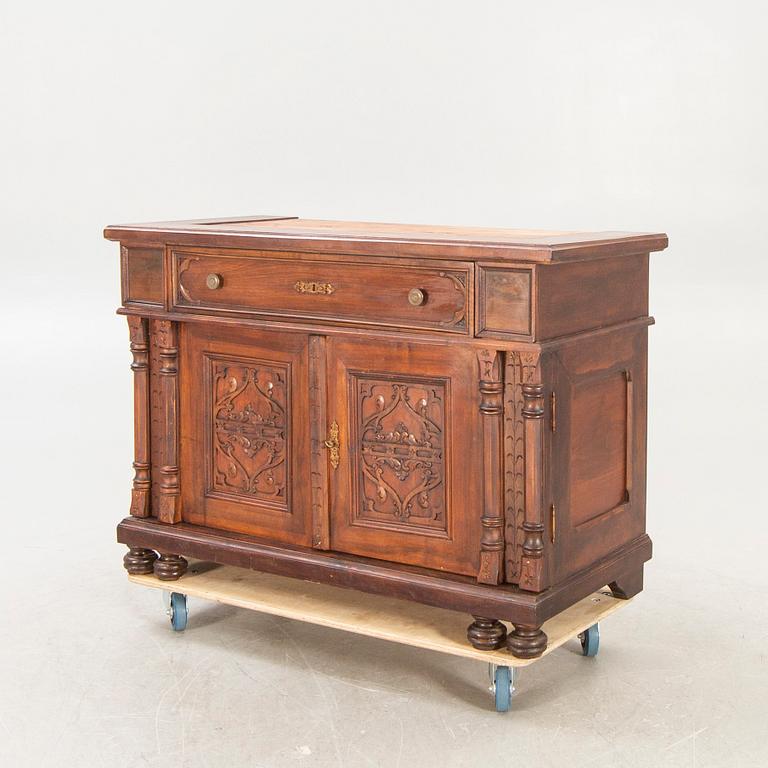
<point>486,634</point>
<point>628,585</point>
<point>170,567</point>
<point>526,642</point>
<point>139,560</point>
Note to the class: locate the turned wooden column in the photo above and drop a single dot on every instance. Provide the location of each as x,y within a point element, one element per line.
<point>165,335</point>
<point>491,570</point>
<point>138,328</point>
<point>532,576</point>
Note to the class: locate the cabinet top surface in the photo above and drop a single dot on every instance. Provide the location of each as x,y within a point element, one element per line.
<point>393,239</point>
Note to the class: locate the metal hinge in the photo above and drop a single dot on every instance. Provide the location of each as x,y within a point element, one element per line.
<point>552,524</point>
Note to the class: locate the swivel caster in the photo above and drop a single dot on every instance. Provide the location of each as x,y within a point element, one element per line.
<point>176,608</point>
<point>590,641</point>
<point>502,686</point>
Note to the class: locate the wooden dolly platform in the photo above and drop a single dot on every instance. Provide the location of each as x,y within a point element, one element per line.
<point>386,618</point>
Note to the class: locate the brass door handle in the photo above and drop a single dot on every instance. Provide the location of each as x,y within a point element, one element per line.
<point>416,297</point>
<point>332,444</point>
<point>213,281</point>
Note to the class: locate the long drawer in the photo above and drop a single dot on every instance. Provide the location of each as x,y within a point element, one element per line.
<point>435,295</point>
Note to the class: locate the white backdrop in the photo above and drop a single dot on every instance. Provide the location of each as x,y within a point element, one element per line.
<point>600,115</point>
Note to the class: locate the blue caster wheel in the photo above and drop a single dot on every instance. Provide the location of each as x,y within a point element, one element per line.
<point>502,686</point>
<point>590,641</point>
<point>178,611</point>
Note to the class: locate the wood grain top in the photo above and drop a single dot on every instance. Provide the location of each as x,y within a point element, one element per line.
<point>293,233</point>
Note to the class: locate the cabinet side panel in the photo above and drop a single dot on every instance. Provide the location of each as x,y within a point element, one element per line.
<point>591,294</point>
<point>598,449</point>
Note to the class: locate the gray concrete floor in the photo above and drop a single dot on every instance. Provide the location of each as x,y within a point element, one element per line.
<point>92,675</point>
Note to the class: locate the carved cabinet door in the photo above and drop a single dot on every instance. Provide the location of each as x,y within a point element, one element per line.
<point>244,431</point>
<point>406,481</point>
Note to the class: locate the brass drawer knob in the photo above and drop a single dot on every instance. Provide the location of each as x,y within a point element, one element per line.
<point>416,297</point>
<point>213,281</point>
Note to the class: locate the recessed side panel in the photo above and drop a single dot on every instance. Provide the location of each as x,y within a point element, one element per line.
<point>599,445</point>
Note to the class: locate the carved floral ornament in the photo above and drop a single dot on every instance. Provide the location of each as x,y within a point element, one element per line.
<point>249,430</point>
<point>401,461</point>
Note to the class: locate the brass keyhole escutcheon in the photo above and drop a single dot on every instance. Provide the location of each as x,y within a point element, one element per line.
<point>312,286</point>
<point>416,297</point>
<point>332,444</point>
<point>213,281</point>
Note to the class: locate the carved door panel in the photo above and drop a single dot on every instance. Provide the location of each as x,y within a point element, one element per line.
<point>597,469</point>
<point>407,485</point>
<point>245,431</point>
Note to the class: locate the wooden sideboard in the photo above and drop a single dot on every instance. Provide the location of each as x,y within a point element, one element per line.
<point>454,416</point>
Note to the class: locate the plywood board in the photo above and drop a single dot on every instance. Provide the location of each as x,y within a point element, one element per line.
<point>387,618</point>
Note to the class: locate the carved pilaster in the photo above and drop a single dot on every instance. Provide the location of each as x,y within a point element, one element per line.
<point>491,569</point>
<point>142,485</point>
<point>518,369</point>
<point>165,337</point>
<point>532,560</point>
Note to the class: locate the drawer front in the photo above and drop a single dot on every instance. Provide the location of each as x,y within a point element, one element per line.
<point>377,293</point>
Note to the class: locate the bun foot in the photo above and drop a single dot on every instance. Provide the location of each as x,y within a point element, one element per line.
<point>139,560</point>
<point>628,585</point>
<point>526,642</point>
<point>170,567</point>
<point>486,634</point>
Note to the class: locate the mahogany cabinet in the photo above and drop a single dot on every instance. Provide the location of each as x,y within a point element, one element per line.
<point>452,416</point>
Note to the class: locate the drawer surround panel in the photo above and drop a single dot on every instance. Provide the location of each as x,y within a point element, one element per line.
<point>432,294</point>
